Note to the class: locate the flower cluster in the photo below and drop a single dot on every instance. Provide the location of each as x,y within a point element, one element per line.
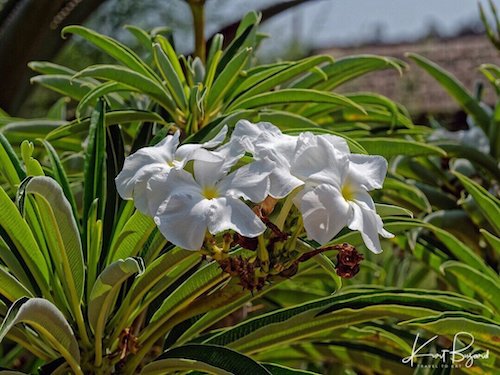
<point>195,191</point>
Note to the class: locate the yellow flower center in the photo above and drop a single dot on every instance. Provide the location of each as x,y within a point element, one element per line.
<point>210,192</point>
<point>348,192</point>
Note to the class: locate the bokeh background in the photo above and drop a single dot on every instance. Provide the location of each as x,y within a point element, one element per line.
<point>448,32</point>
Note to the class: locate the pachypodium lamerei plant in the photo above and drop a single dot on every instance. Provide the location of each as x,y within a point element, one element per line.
<point>200,189</point>
<point>104,285</point>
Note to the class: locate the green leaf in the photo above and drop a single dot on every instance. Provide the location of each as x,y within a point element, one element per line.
<point>62,235</point>
<point>94,172</point>
<point>298,322</point>
<point>169,50</point>
<point>389,147</point>
<point>461,251</point>
<point>286,121</point>
<point>494,241</point>
<point>60,176</point>
<point>58,111</point>
<point>283,76</point>
<point>33,167</point>
<point>226,78</point>
<point>475,156</point>
<point>30,128</point>
<point>287,96</point>
<point>329,267</point>
<point>10,287</point>
<point>46,67</point>
<point>400,192</point>
<point>106,289</point>
<point>14,263</point>
<point>198,283</point>
<point>170,77</point>
<point>132,79</point>
<point>15,228</point>
<point>275,369</point>
<point>141,35</point>
<point>488,204</point>
<point>211,358</point>
<point>47,320</point>
<point>245,33</point>
<point>131,239</point>
<point>448,323</point>
<point>112,117</point>
<point>65,85</point>
<point>389,210</point>
<point>97,92</point>
<point>455,89</point>
<point>253,76</point>
<point>94,246</point>
<point>159,275</point>
<point>484,285</point>
<point>347,69</point>
<point>113,48</point>
<point>104,294</point>
<point>10,166</point>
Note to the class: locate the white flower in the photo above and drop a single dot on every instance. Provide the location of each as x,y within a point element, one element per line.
<point>264,140</point>
<point>335,183</point>
<point>336,193</point>
<point>133,181</point>
<point>211,201</point>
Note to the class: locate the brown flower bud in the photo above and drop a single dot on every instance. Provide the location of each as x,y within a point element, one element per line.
<point>349,256</point>
<point>348,260</point>
<point>347,272</point>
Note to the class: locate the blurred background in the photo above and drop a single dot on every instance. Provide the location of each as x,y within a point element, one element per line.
<point>449,32</point>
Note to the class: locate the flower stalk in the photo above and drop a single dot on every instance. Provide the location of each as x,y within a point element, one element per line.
<point>198,11</point>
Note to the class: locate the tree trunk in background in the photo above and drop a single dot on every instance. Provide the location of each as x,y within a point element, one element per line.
<point>31,30</point>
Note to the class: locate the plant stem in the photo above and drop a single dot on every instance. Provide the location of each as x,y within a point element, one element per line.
<point>198,12</point>
<point>285,209</point>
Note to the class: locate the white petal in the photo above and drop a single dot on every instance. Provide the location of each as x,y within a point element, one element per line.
<point>209,173</point>
<point>250,181</point>
<point>228,213</point>
<point>367,171</point>
<point>245,128</point>
<point>317,160</point>
<point>324,211</point>
<point>162,187</point>
<point>193,151</point>
<point>182,219</point>
<point>156,193</point>
<point>263,138</point>
<point>144,163</point>
<point>218,139</point>
<point>369,224</point>
<point>337,142</point>
<point>282,182</point>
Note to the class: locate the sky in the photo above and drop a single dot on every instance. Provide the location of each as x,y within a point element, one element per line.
<point>325,23</point>
<point>315,24</point>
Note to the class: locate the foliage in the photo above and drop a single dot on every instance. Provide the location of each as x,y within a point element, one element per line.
<point>100,290</point>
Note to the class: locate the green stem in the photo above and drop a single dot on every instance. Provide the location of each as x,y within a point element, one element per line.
<point>262,252</point>
<point>285,209</point>
<point>292,241</point>
<point>198,12</point>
